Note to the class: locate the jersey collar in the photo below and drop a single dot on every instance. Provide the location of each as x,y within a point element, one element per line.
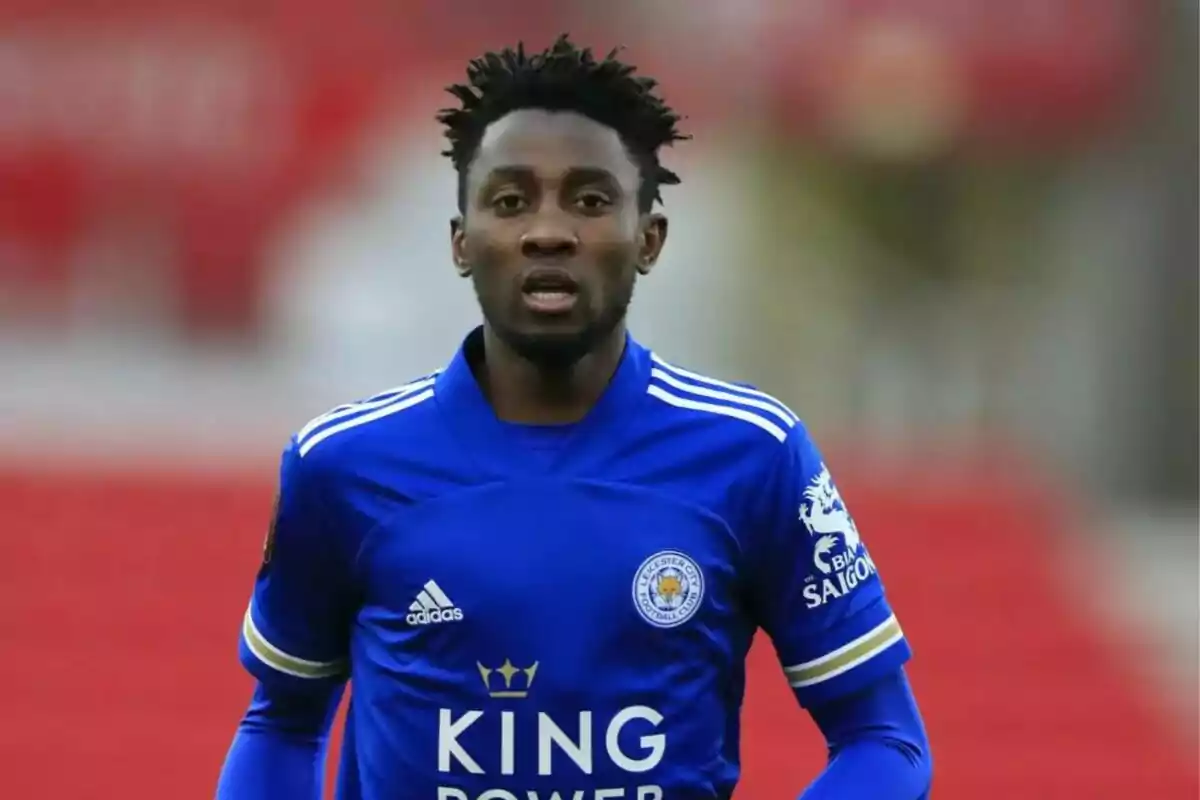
<point>491,441</point>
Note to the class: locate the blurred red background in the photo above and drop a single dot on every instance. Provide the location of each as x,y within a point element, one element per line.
<point>224,117</point>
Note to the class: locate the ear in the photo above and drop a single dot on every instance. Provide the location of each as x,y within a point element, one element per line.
<point>653,237</point>
<point>458,249</point>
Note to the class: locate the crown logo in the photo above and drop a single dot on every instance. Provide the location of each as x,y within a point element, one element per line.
<point>507,672</point>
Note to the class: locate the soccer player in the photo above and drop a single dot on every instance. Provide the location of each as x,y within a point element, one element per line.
<point>541,568</point>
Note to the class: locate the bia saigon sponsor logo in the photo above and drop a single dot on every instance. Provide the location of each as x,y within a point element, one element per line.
<point>838,552</point>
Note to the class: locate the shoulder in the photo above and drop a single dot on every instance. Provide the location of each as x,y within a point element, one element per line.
<point>718,414</point>
<point>350,429</point>
<point>706,403</point>
<point>351,465</point>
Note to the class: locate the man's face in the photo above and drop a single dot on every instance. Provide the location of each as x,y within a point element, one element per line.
<point>551,234</point>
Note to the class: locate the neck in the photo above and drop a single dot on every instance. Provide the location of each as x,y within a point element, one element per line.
<point>524,392</point>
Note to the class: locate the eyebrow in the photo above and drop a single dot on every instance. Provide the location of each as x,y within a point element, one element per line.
<point>573,174</point>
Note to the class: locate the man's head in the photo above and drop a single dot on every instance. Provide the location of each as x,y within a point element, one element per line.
<point>558,171</point>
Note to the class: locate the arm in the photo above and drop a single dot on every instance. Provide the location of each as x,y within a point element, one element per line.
<point>877,745</point>
<point>295,642</point>
<point>816,591</point>
<point>280,746</point>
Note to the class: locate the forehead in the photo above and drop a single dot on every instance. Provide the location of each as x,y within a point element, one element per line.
<point>551,143</point>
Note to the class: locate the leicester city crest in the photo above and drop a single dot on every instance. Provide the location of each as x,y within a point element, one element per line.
<point>668,588</point>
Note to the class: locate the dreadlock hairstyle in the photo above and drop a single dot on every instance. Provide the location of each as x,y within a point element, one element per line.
<point>563,77</point>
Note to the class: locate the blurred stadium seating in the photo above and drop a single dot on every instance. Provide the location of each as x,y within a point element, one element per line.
<point>952,234</point>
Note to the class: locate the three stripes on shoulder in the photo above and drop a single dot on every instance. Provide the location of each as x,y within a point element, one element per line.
<point>683,389</point>
<point>352,415</point>
<point>669,384</point>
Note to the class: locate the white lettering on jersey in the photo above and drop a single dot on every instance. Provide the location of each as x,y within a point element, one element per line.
<point>432,606</point>
<point>574,743</point>
<point>845,574</point>
<point>838,552</point>
<point>637,793</point>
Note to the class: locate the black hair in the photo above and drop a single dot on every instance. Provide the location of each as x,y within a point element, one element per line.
<point>563,77</point>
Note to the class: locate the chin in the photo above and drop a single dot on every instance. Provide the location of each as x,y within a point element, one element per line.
<point>552,349</point>
<point>557,342</point>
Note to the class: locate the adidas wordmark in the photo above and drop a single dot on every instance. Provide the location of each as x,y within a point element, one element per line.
<point>432,606</point>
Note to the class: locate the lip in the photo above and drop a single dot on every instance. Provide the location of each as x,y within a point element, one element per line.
<point>550,291</point>
<point>550,303</point>
<point>549,278</point>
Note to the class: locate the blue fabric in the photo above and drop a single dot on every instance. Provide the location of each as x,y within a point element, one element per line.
<point>878,749</point>
<point>527,611</point>
<point>280,746</point>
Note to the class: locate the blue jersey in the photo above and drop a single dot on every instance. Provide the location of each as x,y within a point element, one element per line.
<point>560,612</point>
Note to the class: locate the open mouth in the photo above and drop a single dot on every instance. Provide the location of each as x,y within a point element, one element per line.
<point>550,291</point>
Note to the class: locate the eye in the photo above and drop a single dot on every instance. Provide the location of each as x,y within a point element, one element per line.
<point>592,201</point>
<point>509,202</point>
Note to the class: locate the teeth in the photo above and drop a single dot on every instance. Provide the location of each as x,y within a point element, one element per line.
<point>549,296</point>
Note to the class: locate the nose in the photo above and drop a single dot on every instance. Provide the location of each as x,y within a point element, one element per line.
<point>549,237</point>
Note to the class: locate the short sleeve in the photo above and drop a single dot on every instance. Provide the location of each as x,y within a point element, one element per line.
<point>814,588</point>
<point>297,625</point>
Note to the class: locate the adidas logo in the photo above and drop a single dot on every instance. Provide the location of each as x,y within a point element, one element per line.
<point>432,606</point>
